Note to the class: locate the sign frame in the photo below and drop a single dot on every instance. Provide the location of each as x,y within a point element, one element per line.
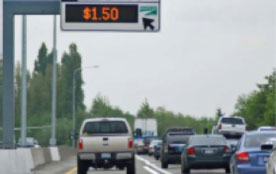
<point>103,27</point>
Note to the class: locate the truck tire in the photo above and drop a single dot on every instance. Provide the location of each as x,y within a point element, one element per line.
<point>82,167</point>
<point>131,168</point>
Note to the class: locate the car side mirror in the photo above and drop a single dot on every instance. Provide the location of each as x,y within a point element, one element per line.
<point>267,147</point>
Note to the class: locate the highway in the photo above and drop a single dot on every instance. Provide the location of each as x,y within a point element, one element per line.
<point>144,165</point>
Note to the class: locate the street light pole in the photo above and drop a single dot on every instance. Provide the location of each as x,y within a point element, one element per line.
<point>53,131</point>
<point>74,101</point>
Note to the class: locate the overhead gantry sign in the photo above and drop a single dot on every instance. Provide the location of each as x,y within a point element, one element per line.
<point>111,15</point>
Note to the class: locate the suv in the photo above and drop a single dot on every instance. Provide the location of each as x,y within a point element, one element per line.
<point>173,142</point>
<point>105,143</point>
<point>230,126</point>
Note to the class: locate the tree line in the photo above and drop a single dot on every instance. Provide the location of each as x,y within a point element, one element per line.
<point>258,107</point>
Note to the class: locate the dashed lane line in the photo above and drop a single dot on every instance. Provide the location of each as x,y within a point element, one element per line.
<point>150,170</point>
<point>72,171</point>
<point>152,166</point>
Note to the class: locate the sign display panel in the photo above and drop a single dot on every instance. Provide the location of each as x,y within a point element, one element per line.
<point>110,16</point>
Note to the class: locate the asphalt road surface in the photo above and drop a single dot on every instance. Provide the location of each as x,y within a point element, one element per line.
<point>144,165</point>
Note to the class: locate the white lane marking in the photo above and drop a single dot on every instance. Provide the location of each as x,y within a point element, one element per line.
<point>153,166</point>
<point>150,170</point>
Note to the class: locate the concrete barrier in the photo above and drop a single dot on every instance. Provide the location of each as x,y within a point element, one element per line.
<point>66,152</point>
<point>16,161</point>
<point>47,155</point>
<point>55,155</point>
<point>38,156</point>
<point>24,160</point>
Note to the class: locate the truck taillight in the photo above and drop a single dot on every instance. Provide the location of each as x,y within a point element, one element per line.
<point>242,156</point>
<point>130,143</point>
<point>80,144</point>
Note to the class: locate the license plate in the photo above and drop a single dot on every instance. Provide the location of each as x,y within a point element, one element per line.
<point>209,151</point>
<point>265,159</point>
<point>106,155</point>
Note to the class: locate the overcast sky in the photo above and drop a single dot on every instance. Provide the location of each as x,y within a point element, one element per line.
<point>207,54</point>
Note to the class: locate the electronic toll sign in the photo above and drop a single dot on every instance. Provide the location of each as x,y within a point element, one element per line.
<point>112,15</point>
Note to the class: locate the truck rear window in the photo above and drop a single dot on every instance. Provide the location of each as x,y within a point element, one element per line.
<point>232,121</point>
<point>105,127</point>
<point>208,140</point>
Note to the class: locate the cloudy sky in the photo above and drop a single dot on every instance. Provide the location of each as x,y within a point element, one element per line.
<point>207,54</point>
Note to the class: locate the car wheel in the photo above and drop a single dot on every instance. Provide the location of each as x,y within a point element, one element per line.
<point>131,168</point>
<point>82,167</point>
<point>227,169</point>
<point>185,170</point>
<point>164,164</point>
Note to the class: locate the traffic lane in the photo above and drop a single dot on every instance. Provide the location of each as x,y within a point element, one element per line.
<point>70,167</point>
<point>60,167</point>
<point>141,168</point>
<point>176,169</point>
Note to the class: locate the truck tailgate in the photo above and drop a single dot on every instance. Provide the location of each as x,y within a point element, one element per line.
<point>105,144</point>
<point>233,127</point>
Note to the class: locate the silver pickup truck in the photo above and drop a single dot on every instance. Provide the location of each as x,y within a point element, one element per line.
<point>106,143</point>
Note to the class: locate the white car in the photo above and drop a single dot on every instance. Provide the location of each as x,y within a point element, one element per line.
<point>267,128</point>
<point>230,126</point>
<point>152,144</point>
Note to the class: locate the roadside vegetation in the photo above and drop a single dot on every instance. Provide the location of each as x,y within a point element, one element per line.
<point>257,107</point>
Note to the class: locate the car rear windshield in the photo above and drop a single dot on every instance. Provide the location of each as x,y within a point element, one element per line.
<point>105,127</point>
<point>256,140</point>
<point>208,141</point>
<point>179,139</point>
<point>232,121</point>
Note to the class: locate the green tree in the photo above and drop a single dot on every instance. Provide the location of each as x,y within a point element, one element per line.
<point>102,108</point>
<point>258,108</point>
<point>43,60</point>
<point>145,110</point>
<point>69,63</point>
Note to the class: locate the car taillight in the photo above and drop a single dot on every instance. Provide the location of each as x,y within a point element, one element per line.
<point>130,143</point>
<point>242,156</point>
<point>225,149</point>
<point>220,126</point>
<point>191,151</point>
<point>80,144</point>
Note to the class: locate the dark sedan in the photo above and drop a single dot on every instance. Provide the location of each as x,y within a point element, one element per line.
<point>249,158</point>
<point>206,152</point>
